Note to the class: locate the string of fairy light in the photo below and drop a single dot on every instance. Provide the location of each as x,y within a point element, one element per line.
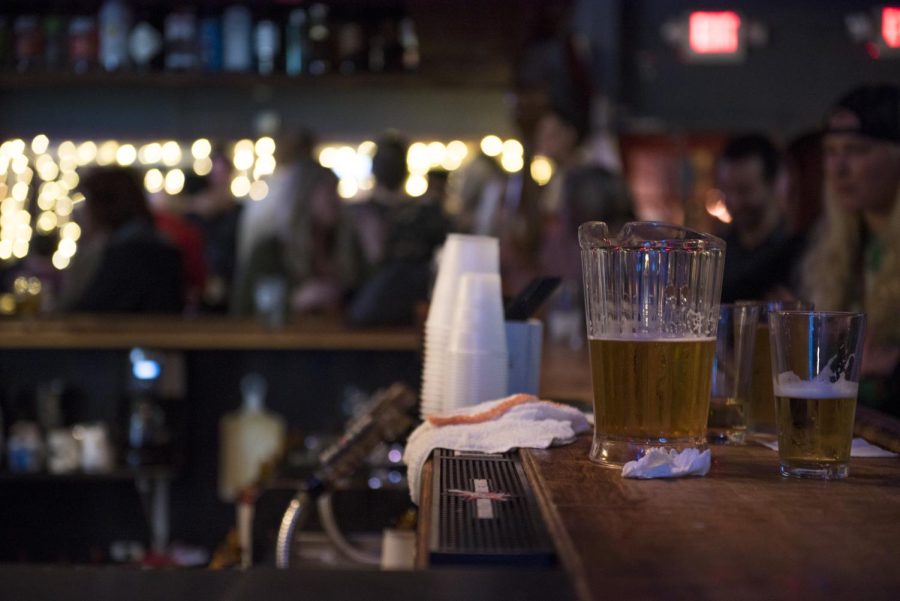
<point>39,179</point>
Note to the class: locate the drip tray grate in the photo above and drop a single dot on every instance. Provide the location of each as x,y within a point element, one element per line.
<point>484,511</point>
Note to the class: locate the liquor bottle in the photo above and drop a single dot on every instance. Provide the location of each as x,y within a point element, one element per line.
<point>320,60</point>
<point>237,33</point>
<point>82,43</point>
<point>210,40</point>
<point>180,40</point>
<point>351,48</point>
<point>54,41</point>
<point>114,22</point>
<point>145,43</point>
<point>409,41</point>
<point>266,43</point>
<point>296,43</point>
<point>29,47</point>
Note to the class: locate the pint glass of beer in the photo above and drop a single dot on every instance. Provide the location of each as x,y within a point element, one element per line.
<point>815,377</point>
<point>731,373</point>
<point>759,411</point>
<point>652,307</point>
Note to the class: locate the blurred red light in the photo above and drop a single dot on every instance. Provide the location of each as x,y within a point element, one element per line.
<point>714,32</point>
<point>890,26</point>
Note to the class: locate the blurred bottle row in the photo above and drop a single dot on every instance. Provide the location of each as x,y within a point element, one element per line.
<point>266,38</point>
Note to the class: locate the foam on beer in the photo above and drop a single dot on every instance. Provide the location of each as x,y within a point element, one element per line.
<point>790,385</point>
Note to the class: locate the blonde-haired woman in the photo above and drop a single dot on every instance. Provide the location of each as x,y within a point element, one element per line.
<point>854,262</point>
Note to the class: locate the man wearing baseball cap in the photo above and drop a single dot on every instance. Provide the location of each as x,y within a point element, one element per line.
<point>854,263</point>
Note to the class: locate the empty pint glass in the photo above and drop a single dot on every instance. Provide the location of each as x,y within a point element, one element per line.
<point>815,367</point>
<point>652,306</point>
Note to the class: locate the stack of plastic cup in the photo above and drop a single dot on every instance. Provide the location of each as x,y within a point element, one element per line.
<point>461,254</point>
<point>477,360</point>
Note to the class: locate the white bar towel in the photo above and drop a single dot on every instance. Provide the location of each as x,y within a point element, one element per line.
<point>520,420</point>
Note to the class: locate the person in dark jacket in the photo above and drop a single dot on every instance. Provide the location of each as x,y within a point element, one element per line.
<point>134,269</point>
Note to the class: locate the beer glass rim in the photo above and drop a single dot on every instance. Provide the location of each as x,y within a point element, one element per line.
<point>681,238</point>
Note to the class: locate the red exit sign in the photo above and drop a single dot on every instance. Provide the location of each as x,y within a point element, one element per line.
<point>890,26</point>
<point>716,32</point>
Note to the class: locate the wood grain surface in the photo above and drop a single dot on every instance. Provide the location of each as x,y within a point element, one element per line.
<point>121,331</point>
<point>742,532</point>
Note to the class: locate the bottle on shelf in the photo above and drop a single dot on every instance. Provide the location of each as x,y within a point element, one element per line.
<point>210,40</point>
<point>180,40</point>
<point>54,25</point>
<point>266,42</point>
<point>145,43</point>
<point>114,22</point>
<point>29,44</point>
<point>409,41</point>
<point>351,56</point>
<point>237,34</point>
<point>320,60</point>
<point>296,42</point>
<point>248,439</point>
<point>82,43</point>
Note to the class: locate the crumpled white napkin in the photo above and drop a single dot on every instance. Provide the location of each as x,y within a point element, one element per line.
<point>492,427</point>
<point>668,463</point>
<point>860,448</point>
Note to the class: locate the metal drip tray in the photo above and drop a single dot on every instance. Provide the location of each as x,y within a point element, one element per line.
<point>484,511</point>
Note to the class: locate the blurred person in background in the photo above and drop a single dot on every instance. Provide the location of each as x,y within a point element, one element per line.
<point>393,240</point>
<point>214,210</point>
<point>128,265</point>
<point>853,262</point>
<point>168,213</point>
<point>762,253</point>
<point>301,249</point>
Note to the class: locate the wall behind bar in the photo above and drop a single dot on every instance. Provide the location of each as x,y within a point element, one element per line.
<point>785,86</point>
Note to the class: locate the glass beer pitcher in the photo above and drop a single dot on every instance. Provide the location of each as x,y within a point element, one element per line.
<point>652,308</point>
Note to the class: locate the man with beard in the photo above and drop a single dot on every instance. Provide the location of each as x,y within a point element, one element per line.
<point>761,255</point>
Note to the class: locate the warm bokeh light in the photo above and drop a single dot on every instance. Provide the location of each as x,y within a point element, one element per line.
<point>367,148</point>
<point>240,186</point>
<point>258,190</point>
<point>244,145</point>
<point>171,153</point>
<point>46,222</point>
<point>106,153</point>
<point>347,188</point>
<point>154,181</point>
<point>416,185</point>
<point>174,182</point>
<point>715,205</point>
<point>417,159</point>
<point>265,165</point>
<point>436,153</point>
<point>20,191</point>
<point>67,247</point>
<point>243,159</point>
<point>541,170</point>
<point>201,148</point>
<point>86,152</point>
<point>126,155</point>
<point>265,146</point>
<point>40,144</point>
<point>64,206</point>
<point>491,145</point>
<point>150,154</point>
<point>203,166</point>
<point>512,162</point>
<point>67,149</point>
<point>60,261</point>
<point>69,180</point>
<point>70,230</point>
<point>327,157</point>
<point>512,146</point>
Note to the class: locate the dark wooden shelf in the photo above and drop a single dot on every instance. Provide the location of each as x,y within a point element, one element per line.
<point>178,333</point>
<point>117,475</point>
<point>463,76</point>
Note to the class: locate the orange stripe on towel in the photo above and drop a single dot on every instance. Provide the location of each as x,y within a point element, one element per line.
<point>477,418</point>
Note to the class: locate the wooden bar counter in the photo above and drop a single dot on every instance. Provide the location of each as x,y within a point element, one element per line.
<point>741,532</point>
